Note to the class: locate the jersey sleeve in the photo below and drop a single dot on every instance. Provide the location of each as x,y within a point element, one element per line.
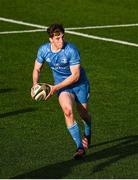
<point>40,55</point>
<point>74,56</point>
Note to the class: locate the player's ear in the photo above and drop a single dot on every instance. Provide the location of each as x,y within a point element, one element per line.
<point>50,39</point>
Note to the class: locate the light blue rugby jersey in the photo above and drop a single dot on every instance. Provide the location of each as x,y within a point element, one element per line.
<point>61,61</point>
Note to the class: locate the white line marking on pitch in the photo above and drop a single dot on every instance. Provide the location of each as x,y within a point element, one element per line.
<point>72,32</point>
<point>74,28</point>
<point>102,38</point>
<point>21,22</point>
<point>22,31</point>
<point>102,27</point>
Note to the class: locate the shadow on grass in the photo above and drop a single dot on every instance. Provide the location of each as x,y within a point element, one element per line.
<point>14,113</point>
<point>6,90</point>
<point>122,148</point>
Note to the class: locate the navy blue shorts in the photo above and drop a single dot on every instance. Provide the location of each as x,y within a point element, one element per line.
<point>81,92</point>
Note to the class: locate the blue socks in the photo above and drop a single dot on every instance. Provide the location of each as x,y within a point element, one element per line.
<point>87,127</point>
<point>75,133</point>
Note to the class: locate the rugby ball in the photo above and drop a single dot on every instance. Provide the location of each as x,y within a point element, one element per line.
<point>41,91</point>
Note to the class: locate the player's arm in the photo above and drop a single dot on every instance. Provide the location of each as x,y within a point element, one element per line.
<point>35,76</point>
<point>36,72</point>
<point>74,77</point>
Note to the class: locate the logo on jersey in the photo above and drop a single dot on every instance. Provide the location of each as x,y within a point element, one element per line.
<point>64,60</point>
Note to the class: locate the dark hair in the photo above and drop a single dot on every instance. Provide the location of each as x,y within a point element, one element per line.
<point>55,28</point>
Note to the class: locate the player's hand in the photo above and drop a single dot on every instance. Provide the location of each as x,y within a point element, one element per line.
<point>52,91</point>
<point>32,90</point>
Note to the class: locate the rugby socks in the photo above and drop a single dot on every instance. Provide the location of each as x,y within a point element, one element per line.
<point>87,127</point>
<point>75,133</point>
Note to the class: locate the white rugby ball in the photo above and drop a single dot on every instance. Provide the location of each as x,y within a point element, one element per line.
<point>41,91</point>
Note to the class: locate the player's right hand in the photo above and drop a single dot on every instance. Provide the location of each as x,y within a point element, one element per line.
<point>32,90</point>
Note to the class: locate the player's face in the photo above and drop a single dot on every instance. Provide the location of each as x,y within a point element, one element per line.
<point>57,41</point>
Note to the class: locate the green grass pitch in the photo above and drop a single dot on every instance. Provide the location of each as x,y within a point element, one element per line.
<point>34,142</point>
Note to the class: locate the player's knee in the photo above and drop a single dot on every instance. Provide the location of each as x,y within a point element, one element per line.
<point>68,112</point>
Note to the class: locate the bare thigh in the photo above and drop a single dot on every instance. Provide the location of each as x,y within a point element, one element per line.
<point>66,101</point>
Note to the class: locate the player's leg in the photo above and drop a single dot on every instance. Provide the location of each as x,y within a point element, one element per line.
<point>86,117</point>
<point>66,101</point>
<point>82,93</point>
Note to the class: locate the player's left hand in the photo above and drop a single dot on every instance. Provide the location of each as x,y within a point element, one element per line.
<point>52,91</point>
